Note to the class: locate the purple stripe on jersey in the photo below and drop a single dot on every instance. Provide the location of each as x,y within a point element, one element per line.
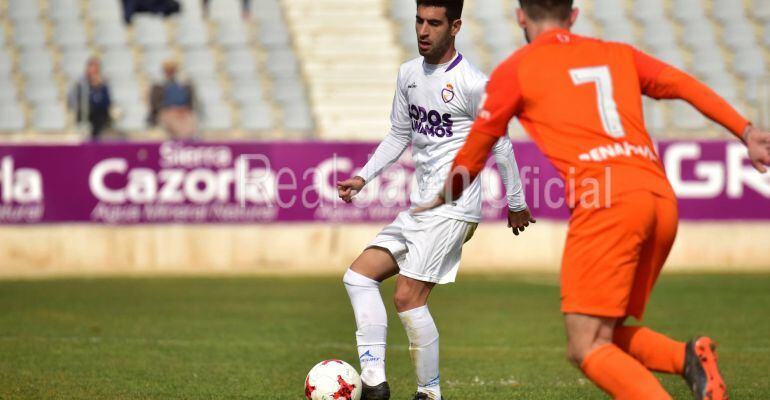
<point>455,62</point>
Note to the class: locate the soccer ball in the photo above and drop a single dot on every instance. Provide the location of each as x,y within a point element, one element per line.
<point>333,380</point>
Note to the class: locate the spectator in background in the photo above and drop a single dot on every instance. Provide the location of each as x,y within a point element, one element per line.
<point>244,9</point>
<point>163,7</point>
<point>89,99</point>
<point>172,104</point>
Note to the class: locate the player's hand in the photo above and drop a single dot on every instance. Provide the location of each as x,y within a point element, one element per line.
<point>758,143</point>
<point>519,220</point>
<point>437,202</point>
<point>349,188</point>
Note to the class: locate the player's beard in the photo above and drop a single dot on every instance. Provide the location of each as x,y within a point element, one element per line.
<point>439,49</point>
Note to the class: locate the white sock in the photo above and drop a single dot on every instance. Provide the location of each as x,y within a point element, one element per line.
<point>372,323</point>
<point>423,346</point>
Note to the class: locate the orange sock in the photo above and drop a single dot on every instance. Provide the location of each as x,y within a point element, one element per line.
<point>621,376</point>
<point>655,351</point>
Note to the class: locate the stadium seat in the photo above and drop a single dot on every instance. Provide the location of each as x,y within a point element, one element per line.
<point>216,117</point>
<point>199,63</point>
<point>36,64</point>
<point>68,34</point>
<point>134,118</point>
<point>282,63</point>
<point>225,10</point>
<point>658,34</point>
<point>7,91</point>
<point>150,31</point>
<point>11,118</point>
<point>256,117</point>
<point>723,84</point>
<point>654,116</point>
<point>648,11</point>
<point>739,35</point>
<point>232,34</point>
<point>403,10</point>
<point>191,9</point>
<point>698,35</point>
<point>407,34</point>
<point>118,64</point>
<point>297,117</point>
<point>49,118</point>
<point>708,61</point>
<point>608,11</point>
<point>41,91</point>
<point>500,37</point>
<point>106,11</point>
<point>29,35</point>
<point>761,10</point>
<point>152,63</point>
<point>266,11</point>
<point>689,10</point>
<point>489,11</point>
<point>750,63</point>
<point>619,31</point>
<point>274,36</point>
<point>109,34</point>
<point>208,90</point>
<point>65,11</point>
<point>726,11</point>
<point>670,55</point>
<point>247,92</point>
<point>288,90</point>
<point>6,63</point>
<point>192,33</point>
<point>125,92</point>
<point>23,11</point>
<point>73,63</point>
<point>766,35</point>
<point>240,63</point>
<point>686,117</point>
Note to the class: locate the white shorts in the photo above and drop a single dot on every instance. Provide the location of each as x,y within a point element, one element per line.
<point>426,247</point>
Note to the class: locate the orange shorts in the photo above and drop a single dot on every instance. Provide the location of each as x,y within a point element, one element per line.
<point>614,255</point>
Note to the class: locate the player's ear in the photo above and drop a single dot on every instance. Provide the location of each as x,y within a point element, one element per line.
<point>573,16</point>
<point>456,25</point>
<point>521,18</point>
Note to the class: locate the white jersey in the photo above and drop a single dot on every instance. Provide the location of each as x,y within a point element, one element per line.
<point>433,110</point>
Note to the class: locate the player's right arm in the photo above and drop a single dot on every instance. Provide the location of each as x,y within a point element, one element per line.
<point>662,81</point>
<point>389,150</point>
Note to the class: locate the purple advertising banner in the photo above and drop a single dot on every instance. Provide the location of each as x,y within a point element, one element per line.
<point>173,182</point>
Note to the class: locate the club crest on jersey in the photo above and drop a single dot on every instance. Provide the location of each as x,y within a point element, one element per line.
<point>448,93</point>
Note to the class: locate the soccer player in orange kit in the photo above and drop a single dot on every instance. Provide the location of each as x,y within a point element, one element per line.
<point>580,101</point>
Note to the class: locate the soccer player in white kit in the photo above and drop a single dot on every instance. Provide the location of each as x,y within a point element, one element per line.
<point>437,97</point>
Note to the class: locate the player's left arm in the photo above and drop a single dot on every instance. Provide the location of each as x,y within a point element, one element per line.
<point>519,215</point>
<point>662,81</point>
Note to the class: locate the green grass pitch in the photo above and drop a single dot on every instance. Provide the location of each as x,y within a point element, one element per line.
<point>256,338</point>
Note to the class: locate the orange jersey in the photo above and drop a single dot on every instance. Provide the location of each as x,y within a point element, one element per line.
<point>580,101</point>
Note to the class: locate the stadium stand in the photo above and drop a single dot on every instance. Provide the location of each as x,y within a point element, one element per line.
<point>303,68</point>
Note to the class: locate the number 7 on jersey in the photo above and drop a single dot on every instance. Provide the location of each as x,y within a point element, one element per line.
<point>608,110</point>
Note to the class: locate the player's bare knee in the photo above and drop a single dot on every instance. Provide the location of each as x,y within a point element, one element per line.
<point>404,300</point>
<point>573,356</point>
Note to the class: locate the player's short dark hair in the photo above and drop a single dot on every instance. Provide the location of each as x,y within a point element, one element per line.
<point>538,10</point>
<point>454,8</point>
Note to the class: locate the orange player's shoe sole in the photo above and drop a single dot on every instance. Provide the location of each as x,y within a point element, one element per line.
<point>702,371</point>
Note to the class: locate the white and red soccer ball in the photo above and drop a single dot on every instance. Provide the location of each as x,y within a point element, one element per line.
<point>333,380</point>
